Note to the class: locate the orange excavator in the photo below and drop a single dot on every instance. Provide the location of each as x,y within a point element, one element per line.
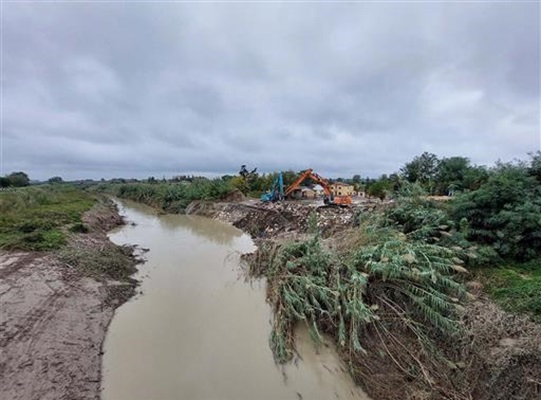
<point>329,198</point>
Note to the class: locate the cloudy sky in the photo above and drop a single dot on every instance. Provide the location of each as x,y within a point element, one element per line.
<point>161,88</point>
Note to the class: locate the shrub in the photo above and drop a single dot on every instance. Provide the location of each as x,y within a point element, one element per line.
<point>504,212</point>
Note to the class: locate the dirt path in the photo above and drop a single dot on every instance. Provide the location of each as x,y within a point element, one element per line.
<point>52,325</point>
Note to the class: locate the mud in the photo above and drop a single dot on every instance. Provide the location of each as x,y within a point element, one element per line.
<point>54,318</point>
<point>269,220</point>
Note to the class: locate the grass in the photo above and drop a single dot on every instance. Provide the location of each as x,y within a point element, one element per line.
<point>516,287</point>
<point>112,261</point>
<point>34,218</point>
<point>172,197</point>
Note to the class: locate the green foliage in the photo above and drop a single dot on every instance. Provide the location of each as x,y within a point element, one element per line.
<point>413,276</point>
<point>390,276</point>
<point>505,212</point>
<point>55,179</point>
<point>423,169</point>
<point>535,165</point>
<point>171,197</point>
<point>420,218</point>
<point>446,176</point>
<point>380,188</point>
<point>423,219</point>
<point>516,287</point>
<point>32,218</point>
<point>16,179</point>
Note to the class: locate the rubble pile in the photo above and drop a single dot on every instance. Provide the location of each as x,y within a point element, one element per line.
<point>263,220</point>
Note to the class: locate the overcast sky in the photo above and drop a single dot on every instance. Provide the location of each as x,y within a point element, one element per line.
<point>140,89</point>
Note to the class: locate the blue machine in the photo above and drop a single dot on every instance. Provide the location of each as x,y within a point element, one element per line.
<point>276,193</point>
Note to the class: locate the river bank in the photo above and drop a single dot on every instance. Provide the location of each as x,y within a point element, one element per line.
<point>497,356</point>
<point>56,308</point>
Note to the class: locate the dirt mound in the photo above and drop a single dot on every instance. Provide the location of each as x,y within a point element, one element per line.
<point>102,217</point>
<point>236,196</point>
<point>263,220</point>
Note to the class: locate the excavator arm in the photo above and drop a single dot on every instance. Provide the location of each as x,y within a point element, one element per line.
<point>329,197</point>
<point>299,180</point>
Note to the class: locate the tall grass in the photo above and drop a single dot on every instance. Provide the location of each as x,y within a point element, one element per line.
<point>172,197</point>
<point>32,218</point>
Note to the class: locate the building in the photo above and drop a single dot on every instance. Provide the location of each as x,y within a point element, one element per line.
<point>342,189</point>
<point>319,190</point>
<point>303,192</point>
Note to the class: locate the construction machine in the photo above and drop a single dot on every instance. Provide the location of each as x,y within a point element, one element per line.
<point>276,193</point>
<point>329,198</point>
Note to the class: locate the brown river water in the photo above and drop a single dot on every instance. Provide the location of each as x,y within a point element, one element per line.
<point>199,330</point>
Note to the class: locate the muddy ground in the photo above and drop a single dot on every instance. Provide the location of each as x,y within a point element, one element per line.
<point>54,316</point>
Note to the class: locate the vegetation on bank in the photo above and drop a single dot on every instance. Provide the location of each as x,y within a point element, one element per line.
<point>390,292</point>
<point>50,218</point>
<point>172,197</point>
<point>516,286</point>
<point>36,218</point>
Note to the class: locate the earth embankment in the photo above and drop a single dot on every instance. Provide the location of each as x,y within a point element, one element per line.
<point>56,308</point>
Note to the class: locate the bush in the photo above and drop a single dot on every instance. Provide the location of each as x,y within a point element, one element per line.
<point>504,212</point>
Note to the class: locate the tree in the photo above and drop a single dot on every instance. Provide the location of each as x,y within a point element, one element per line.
<point>18,179</point>
<point>475,177</point>
<point>451,175</point>
<point>249,178</point>
<point>535,165</point>
<point>55,179</point>
<point>504,212</point>
<point>4,182</point>
<point>422,169</point>
<point>356,178</point>
<point>245,173</point>
<point>380,188</point>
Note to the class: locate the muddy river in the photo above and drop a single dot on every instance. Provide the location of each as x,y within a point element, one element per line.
<point>199,330</point>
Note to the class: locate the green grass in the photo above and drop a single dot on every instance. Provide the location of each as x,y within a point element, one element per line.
<point>33,218</point>
<point>516,287</point>
<point>171,197</point>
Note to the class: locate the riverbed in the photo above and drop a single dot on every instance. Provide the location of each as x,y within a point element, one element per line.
<point>199,329</point>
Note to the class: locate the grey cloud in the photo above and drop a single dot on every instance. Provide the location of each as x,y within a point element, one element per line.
<point>108,89</point>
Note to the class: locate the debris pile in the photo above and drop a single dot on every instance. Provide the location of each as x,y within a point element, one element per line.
<point>264,220</point>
